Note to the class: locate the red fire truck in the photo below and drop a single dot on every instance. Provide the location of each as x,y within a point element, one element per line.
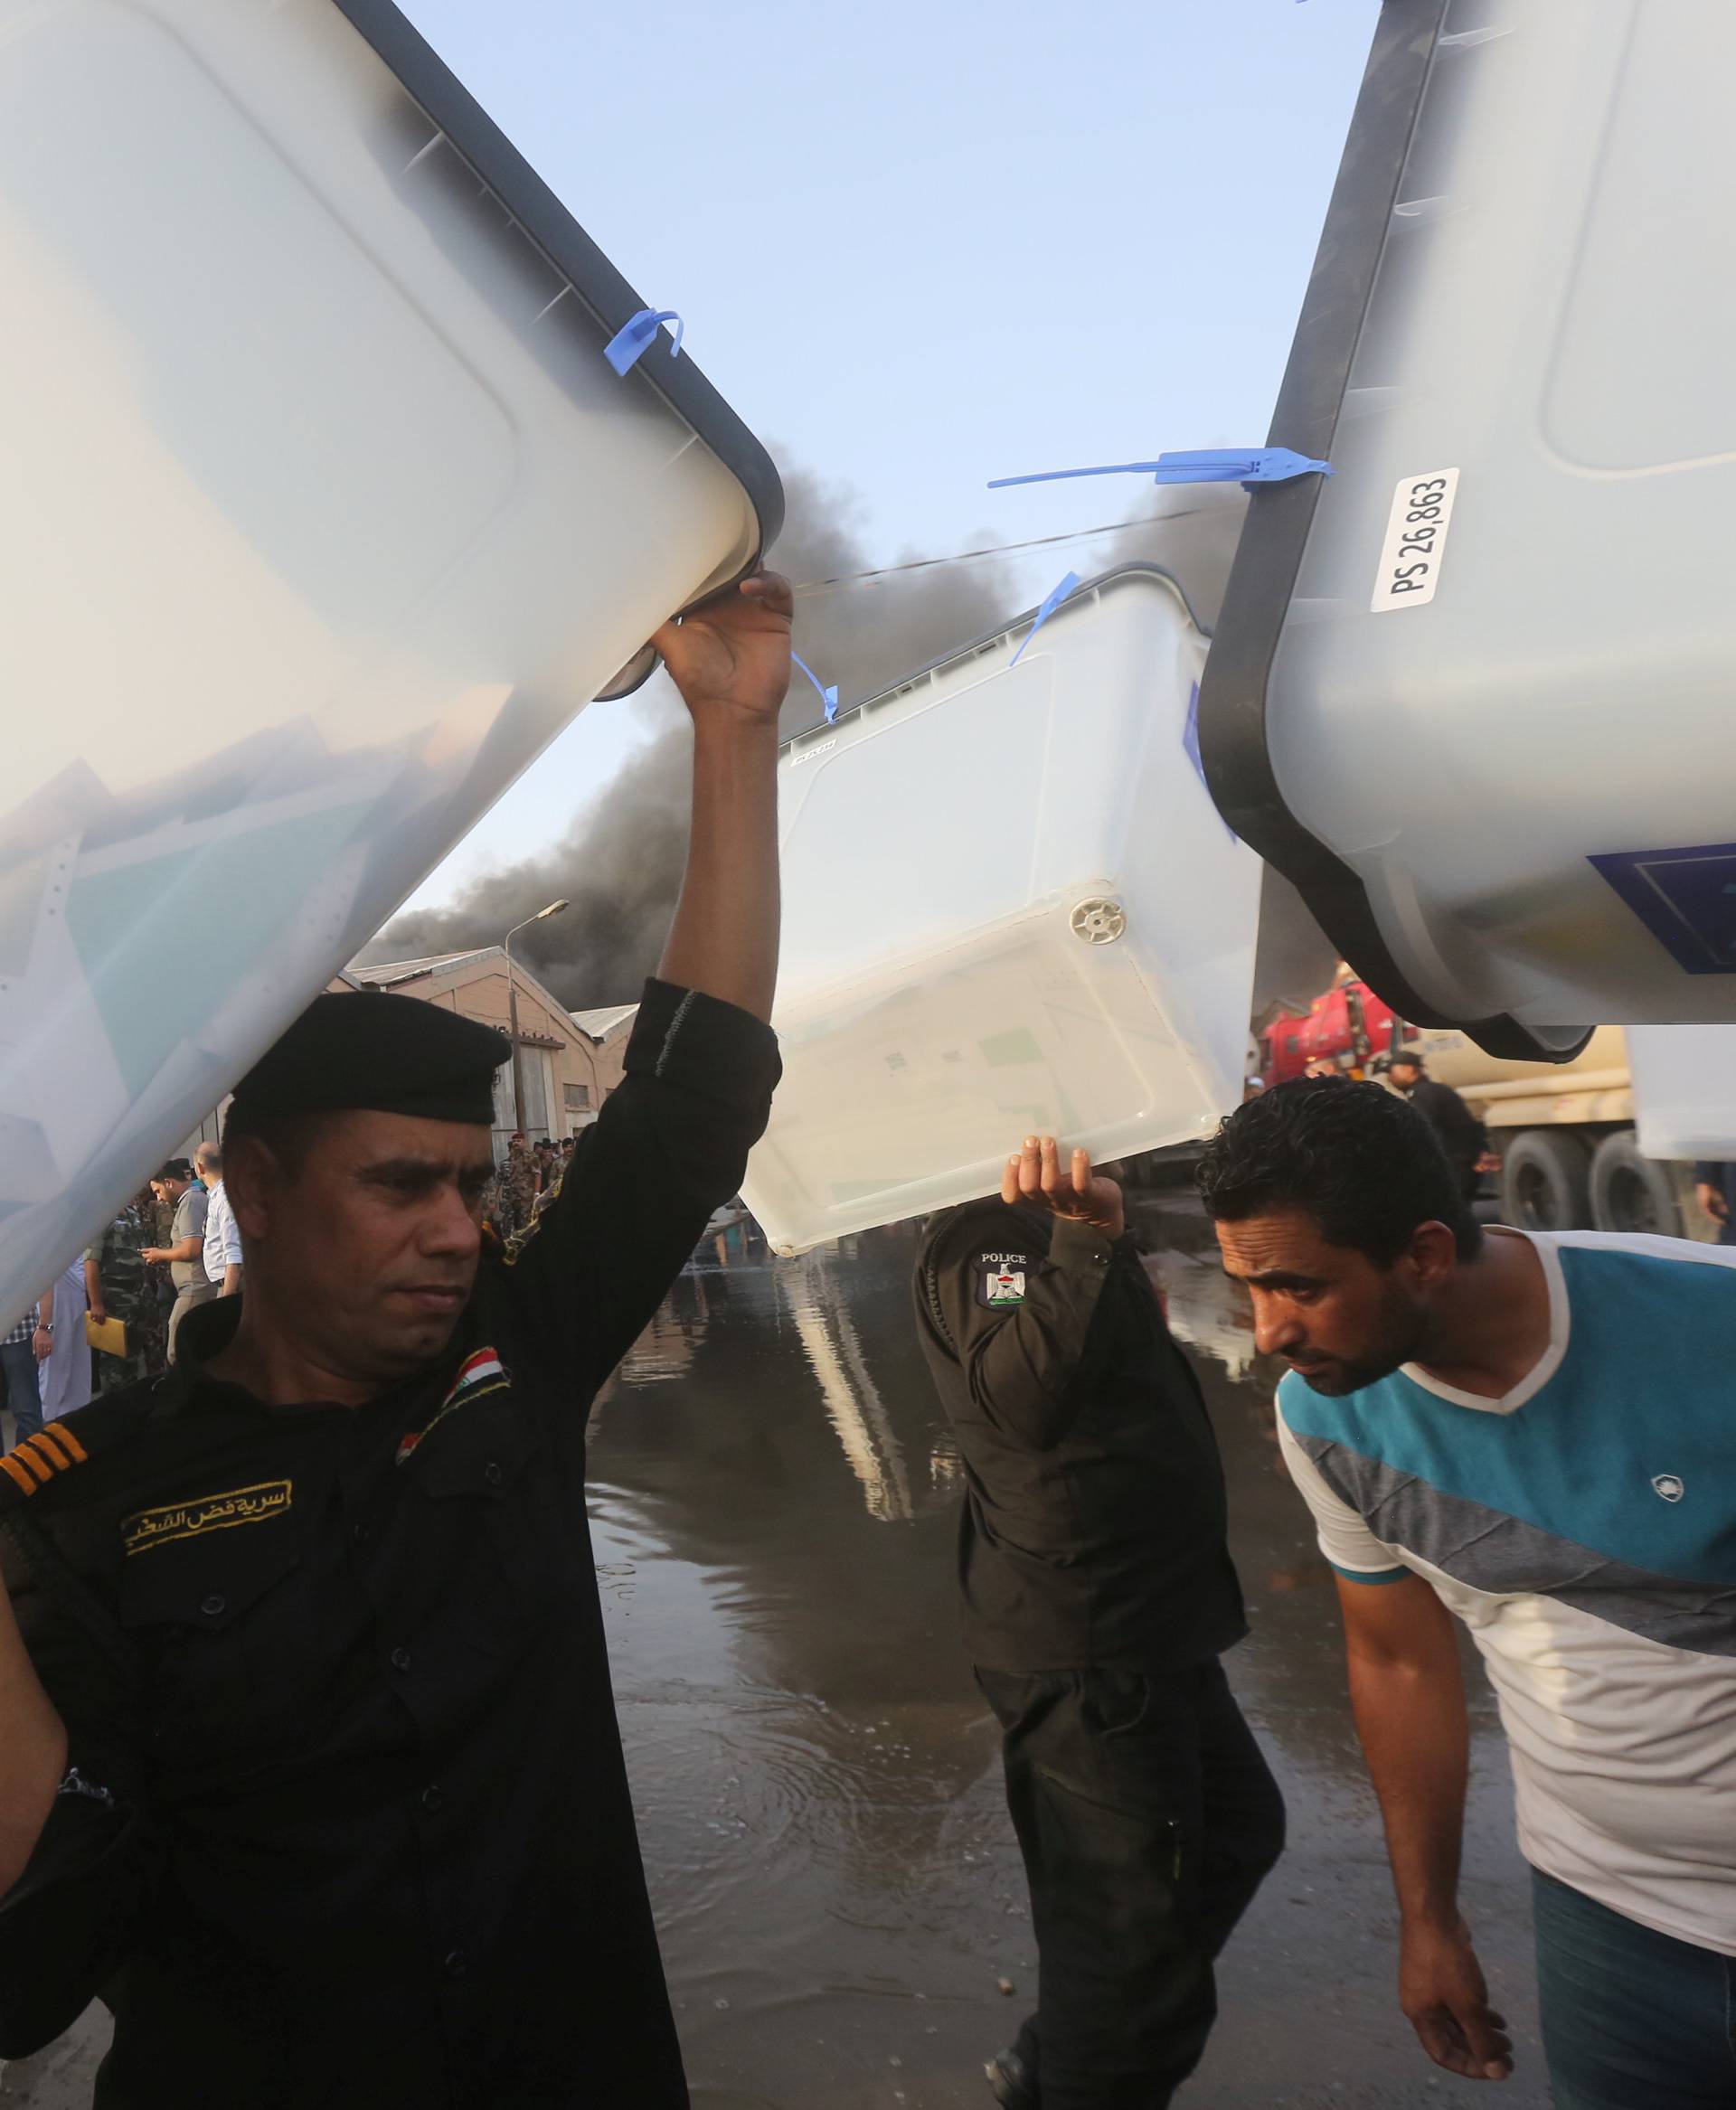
<point>1344,1030</point>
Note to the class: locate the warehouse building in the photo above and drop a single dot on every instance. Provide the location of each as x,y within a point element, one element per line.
<point>569,1061</point>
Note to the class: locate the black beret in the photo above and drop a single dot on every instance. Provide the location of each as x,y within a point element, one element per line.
<point>391,1054</point>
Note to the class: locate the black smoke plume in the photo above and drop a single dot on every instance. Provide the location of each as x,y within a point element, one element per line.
<point>619,863</point>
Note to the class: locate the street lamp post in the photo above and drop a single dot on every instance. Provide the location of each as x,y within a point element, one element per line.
<point>553,909</point>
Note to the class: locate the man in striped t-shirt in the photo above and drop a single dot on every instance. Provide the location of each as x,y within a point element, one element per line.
<point>1534,1435</point>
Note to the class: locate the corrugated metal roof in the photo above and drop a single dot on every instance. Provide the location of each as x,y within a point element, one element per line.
<point>596,1025</point>
<point>600,1025</point>
<point>384,972</point>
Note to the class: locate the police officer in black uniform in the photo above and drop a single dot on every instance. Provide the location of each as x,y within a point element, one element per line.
<point>1462,1136</point>
<point>1099,1595</point>
<point>308,1759</point>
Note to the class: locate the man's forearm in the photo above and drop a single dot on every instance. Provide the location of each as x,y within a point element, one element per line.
<point>189,1248</point>
<point>724,941</point>
<point>32,1751</point>
<point>231,1278</point>
<point>1411,1720</point>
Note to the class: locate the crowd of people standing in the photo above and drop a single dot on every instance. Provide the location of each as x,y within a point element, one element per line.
<point>110,1317</point>
<point>528,1179</point>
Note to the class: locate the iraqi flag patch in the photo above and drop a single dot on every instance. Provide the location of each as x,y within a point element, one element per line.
<point>482,1373</point>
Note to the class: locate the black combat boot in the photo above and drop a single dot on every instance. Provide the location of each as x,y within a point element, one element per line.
<point>1012,2081</point>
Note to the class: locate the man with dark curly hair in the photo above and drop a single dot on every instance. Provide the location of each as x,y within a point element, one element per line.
<point>1529,1431</point>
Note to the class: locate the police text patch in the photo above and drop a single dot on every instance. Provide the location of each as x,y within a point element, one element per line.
<point>146,1528</point>
<point>1000,1279</point>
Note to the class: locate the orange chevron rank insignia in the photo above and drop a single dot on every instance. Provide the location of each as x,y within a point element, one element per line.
<point>33,1463</point>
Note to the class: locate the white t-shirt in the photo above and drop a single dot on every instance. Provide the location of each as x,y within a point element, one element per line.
<point>222,1238</point>
<point>1584,1529</point>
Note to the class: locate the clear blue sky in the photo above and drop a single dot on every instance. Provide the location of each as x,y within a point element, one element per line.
<point>933,242</point>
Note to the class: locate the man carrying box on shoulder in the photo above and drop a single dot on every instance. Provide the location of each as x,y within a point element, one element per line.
<point>308,1759</point>
<point>1098,1596</point>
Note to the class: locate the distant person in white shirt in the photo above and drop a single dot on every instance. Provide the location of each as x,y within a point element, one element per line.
<point>62,1350</point>
<point>222,1239</point>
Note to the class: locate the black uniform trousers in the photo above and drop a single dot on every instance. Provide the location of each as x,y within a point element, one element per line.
<point>1147,1819</point>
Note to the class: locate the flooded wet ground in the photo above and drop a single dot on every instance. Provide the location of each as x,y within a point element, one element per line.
<point>838,1888</point>
<point>840,1897</point>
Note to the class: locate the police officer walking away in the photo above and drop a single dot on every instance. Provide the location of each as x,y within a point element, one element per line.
<point>1460,1135</point>
<point>308,1758</point>
<point>1099,1595</point>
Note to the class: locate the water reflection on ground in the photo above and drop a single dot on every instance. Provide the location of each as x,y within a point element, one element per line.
<point>773,1503</point>
<point>774,1506</point>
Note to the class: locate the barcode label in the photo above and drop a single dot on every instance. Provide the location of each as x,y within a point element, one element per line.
<point>1416,541</point>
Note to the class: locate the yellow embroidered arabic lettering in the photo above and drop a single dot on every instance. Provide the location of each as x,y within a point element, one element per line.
<point>146,1528</point>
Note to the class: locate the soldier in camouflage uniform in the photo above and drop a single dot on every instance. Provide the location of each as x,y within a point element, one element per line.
<point>133,1289</point>
<point>517,1187</point>
<point>160,1217</point>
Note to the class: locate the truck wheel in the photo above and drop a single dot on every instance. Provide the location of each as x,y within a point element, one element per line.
<point>1631,1193</point>
<point>1545,1176</point>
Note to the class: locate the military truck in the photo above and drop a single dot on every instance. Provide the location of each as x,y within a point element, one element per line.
<point>1565,1135</point>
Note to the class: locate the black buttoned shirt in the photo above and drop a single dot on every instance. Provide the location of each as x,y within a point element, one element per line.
<point>347,1822</point>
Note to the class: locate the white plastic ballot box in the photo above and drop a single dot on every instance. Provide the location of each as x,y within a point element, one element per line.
<point>324,512</point>
<point>1009,906</point>
<point>1685,1090</point>
<point>1473,691</point>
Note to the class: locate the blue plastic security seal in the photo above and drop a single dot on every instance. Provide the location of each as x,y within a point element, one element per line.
<point>1229,465</point>
<point>1208,464</point>
<point>631,342</point>
<point>1190,734</point>
<point>1191,742</point>
<point>829,697</point>
<point>1068,585</point>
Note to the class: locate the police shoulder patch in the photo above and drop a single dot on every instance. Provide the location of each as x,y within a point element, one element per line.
<point>49,1460</point>
<point>1000,1279</point>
